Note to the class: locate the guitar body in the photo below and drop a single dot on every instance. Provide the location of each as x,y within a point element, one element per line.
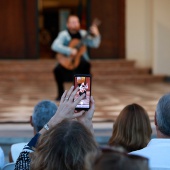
<point>71,62</point>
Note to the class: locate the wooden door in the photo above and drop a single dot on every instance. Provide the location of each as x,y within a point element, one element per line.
<point>112,15</point>
<point>18,30</point>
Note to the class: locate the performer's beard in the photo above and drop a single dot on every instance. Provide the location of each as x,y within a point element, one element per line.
<point>75,30</point>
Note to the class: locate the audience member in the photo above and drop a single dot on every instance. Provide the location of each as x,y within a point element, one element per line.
<point>42,113</point>
<point>2,158</point>
<point>63,143</point>
<point>63,148</point>
<point>132,128</point>
<point>114,158</point>
<point>158,150</point>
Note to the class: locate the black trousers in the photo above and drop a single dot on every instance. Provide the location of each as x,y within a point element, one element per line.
<point>62,75</point>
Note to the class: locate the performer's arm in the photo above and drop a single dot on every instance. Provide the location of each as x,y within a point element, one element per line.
<point>59,44</point>
<point>93,40</point>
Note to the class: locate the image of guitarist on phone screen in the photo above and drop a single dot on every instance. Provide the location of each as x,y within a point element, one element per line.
<point>71,51</point>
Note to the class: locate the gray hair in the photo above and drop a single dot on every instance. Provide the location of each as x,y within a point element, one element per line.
<point>42,113</point>
<point>163,114</point>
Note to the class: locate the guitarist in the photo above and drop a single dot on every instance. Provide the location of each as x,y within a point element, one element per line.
<point>61,45</point>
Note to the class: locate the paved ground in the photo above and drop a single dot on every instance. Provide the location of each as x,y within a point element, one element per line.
<point>17,100</point>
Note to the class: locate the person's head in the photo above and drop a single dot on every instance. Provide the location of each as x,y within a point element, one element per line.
<point>132,128</point>
<point>42,113</point>
<point>114,159</point>
<point>73,23</point>
<point>63,147</point>
<point>162,116</point>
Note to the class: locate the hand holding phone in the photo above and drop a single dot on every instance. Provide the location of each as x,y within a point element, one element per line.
<point>84,83</point>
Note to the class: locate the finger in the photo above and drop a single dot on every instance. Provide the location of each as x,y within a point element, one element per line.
<point>79,99</point>
<point>75,111</point>
<point>78,114</point>
<point>74,93</point>
<point>63,96</point>
<point>92,100</point>
<point>69,92</point>
<point>92,103</point>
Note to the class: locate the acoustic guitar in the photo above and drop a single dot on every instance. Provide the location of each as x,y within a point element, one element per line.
<point>72,62</point>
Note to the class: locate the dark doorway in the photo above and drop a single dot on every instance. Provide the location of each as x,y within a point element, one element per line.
<point>52,19</point>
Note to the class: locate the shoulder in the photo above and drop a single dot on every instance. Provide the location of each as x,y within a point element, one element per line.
<point>64,33</point>
<point>148,150</point>
<point>23,161</point>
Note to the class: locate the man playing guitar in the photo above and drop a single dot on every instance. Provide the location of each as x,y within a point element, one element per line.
<point>72,56</point>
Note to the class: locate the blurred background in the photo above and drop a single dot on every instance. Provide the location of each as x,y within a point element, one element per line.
<point>131,64</point>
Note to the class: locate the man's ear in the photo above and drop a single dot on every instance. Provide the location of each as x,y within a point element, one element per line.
<point>31,121</point>
<point>155,120</point>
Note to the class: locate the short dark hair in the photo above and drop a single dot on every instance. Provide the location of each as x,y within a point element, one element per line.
<point>42,113</point>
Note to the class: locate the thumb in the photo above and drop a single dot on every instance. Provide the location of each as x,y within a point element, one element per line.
<point>78,114</point>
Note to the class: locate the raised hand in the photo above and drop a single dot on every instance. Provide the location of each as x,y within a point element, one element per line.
<point>94,30</point>
<point>66,109</point>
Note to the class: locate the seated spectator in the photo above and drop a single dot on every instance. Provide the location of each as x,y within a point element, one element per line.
<point>63,143</point>
<point>132,128</point>
<point>2,158</point>
<point>158,150</point>
<point>63,147</point>
<point>111,158</point>
<point>42,113</point>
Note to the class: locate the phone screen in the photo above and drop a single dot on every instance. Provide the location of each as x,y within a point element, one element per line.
<point>84,83</point>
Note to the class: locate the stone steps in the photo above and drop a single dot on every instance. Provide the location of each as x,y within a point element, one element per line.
<point>120,71</point>
<point>129,79</point>
<point>102,70</point>
<point>100,77</point>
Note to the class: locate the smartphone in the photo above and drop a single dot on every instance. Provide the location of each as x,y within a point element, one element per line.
<point>83,81</point>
